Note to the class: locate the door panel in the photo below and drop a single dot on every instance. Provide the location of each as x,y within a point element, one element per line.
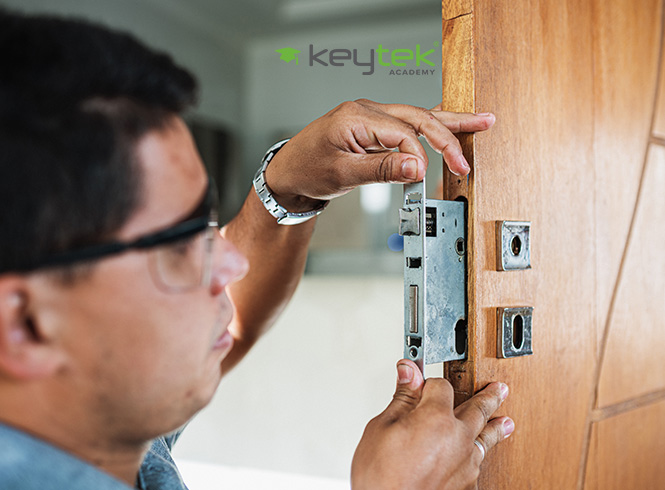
<point>634,364</point>
<point>659,116</point>
<point>633,441</point>
<point>626,46</point>
<point>573,85</point>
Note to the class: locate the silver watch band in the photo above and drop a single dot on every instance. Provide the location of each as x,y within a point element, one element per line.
<point>274,208</point>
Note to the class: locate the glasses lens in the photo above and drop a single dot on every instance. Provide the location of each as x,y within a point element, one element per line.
<point>185,264</point>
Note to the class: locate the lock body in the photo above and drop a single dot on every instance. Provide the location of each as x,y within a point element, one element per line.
<point>435,316</point>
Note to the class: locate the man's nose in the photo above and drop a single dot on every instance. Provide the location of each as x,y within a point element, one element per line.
<point>228,265</point>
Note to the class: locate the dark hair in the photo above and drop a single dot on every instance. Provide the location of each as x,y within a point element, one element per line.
<point>74,100</point>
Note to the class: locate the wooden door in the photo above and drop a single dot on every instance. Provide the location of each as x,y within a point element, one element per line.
<point>579,151</point>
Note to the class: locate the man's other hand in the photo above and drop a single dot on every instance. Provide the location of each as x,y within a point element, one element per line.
<point>420,442</point>
<point>364,142</point>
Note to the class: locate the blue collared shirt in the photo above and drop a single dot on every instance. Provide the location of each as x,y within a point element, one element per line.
<point>29,463</point>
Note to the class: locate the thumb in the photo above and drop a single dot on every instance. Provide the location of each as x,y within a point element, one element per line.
<point>390,166</point>
<point>409,390</point>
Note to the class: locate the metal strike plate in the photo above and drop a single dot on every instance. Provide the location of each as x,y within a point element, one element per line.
<point>513,251</point>
<point>434,278</point>
<point>514,332</point>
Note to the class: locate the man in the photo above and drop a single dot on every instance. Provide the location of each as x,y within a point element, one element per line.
<point>121,303</point>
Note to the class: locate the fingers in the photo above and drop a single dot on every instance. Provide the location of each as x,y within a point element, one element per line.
<point>386,133</point>
<point>494,432</point>
<point>408,392</point>
<point>477,411</point>
<point>354,144</point>
<point>424,123</point>
<point>438,391</point>
<point>388,166</point>
<point>456,122</point>
<point>438,128</point>
<point>465,122</point>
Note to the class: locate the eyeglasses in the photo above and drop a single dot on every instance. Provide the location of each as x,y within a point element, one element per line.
<point>179,257</point>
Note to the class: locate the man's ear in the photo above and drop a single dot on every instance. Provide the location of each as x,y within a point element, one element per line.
<point>24,353</point>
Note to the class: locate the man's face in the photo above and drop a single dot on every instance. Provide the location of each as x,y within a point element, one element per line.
<point>141,359</point>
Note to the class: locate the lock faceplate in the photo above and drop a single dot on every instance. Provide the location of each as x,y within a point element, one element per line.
<point>434,278</point>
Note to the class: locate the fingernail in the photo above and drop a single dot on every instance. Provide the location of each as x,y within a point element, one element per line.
<point>464,163</point>
<point>504,391</point>
<point>404,374</point>
<point>508,428</point>
<point>484,114</point>
<point>410,169</point>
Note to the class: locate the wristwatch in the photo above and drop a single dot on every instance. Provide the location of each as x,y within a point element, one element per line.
<point>274,208</point>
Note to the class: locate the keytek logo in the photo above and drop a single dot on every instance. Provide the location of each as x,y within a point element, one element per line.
<point>396,59</point>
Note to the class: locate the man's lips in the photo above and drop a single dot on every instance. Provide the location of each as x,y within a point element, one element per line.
<point>224,342</point>
<point>225,339</point>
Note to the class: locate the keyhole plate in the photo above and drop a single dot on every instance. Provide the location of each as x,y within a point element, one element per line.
<point>514,334</point>
<point>513,245</point>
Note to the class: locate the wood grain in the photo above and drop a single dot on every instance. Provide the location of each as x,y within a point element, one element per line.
<point>455,8</point>
<point>534,62</point>
<point>616,33</point>
<point>458,96</point>
<point>573,86</point>
<point>659,116</point>
<point>532,166</point>
<point>458,74</point>
<point>633,364</point>
<point>627,451</point>
<point>626,51</point>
